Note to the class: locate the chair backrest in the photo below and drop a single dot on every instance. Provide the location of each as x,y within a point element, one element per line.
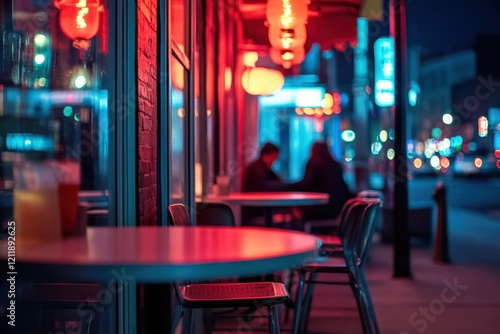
<point>352,220</point>
<point>358,241</point>
<point>214,214</point>
<point>178,215</point>
<point>345,213</point>
<point>369,193</point>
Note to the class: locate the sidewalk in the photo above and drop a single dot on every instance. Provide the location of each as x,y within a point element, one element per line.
<point>420,305</point>
<point>462,297</point>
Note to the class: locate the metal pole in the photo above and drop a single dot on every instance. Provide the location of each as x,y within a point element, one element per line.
<point>400,219</point>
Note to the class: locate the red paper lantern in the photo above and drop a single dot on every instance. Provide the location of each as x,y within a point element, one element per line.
<point>79,20</point>
<point>286,14</point>
<point>287,38</point>
<point>287,58</point>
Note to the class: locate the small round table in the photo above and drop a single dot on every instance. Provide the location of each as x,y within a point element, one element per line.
<point>270,200</point>
<point>163,254</point>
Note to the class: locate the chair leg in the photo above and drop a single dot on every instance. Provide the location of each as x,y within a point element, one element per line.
<point>289,285</point>
<point>306,312</point>
<point>274,321</point>
<point>177,318</point>
<point>360,303</point>
<point>371,309</point>
<point>297,312</point>
<point>207,326</point>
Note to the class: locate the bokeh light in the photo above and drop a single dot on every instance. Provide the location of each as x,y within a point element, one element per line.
<point>39,59</point>
<point>40,39</point>
<point>383,136</point>
<point>435,162</point>
<point>447,119</point>
<point>445,162</point>
<point>80,81</point>
<point>390,154</point>
<point>478,162</point>
<point>376,148</point>
<point>417,163</point>
<point>67,111</point>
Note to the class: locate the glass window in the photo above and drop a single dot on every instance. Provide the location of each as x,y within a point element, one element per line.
<point>178,25</point>
<point>54,96</point>
<point>178,125</point>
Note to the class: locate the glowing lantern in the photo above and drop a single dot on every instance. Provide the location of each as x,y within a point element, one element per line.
<point>287,14</point>
<point>281,38</point>
<point>79,20</point>
<point>262,81</point>
<point>287,58</point>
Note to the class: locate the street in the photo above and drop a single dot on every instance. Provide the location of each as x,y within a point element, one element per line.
<point>481,195</point>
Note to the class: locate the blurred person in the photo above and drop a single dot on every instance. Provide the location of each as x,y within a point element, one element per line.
<point>323,174</point>
<point>260,177</point>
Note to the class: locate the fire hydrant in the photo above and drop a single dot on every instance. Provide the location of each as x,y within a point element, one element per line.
<point>441,240</point>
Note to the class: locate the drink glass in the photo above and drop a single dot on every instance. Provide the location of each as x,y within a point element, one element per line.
<point>36,201</point>
<point>223,184</point>
<point>68,177</point>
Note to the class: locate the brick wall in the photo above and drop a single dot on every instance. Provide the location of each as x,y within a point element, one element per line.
<point>148,103</point>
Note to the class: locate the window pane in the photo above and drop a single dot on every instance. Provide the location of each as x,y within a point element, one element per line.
<point>54,98</point>
<point>178,19</point>
<point>178,124</point>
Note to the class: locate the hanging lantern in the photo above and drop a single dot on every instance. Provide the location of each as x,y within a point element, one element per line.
<point>281,38</point>
<point>287,14</point>
<point>79,20</point>
<point>287,58</point>
<point>262,81</point>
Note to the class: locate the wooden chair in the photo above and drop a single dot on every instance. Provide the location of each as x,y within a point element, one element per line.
<point>214,295</point>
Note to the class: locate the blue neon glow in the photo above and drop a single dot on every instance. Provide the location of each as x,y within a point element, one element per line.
<point>29,142</point>
<point>384,71</point>
<point>297,97</point>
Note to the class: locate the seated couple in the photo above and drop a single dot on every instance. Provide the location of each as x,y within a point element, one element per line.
<point>322,174</point>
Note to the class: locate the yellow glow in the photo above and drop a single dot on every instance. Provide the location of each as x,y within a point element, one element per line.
<point>327,101</point>
<point>262,81</point>
<point>478,162</point>
<point>299,111</point>
<point>288,55</point>
<point>417,163</point>
<point>383,136</point>
<point>180,112</point>
<point>250,58</point>
<point>228,79</point>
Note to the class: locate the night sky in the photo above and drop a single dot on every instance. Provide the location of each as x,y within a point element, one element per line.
<point>442,26</point>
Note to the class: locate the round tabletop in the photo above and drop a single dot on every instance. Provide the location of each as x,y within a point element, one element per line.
<point>276,199</point>
<point>163,254</point>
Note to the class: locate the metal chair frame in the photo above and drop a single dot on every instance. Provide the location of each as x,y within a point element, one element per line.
<point>207,295</point>
<point>356,235</point>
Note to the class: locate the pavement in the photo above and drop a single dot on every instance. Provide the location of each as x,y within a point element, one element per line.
<point>462,296</point>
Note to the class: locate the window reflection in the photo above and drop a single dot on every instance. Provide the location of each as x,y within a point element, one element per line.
<point>53,94</point>
<point>178,121</point>
<point>179,23</point>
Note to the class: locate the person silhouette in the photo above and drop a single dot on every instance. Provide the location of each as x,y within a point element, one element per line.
<point>325,175</point>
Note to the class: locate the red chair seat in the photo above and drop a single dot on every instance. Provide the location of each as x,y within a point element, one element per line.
<point>234,294</point>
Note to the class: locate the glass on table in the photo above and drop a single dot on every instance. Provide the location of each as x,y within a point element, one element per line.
<point>36,201</point>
